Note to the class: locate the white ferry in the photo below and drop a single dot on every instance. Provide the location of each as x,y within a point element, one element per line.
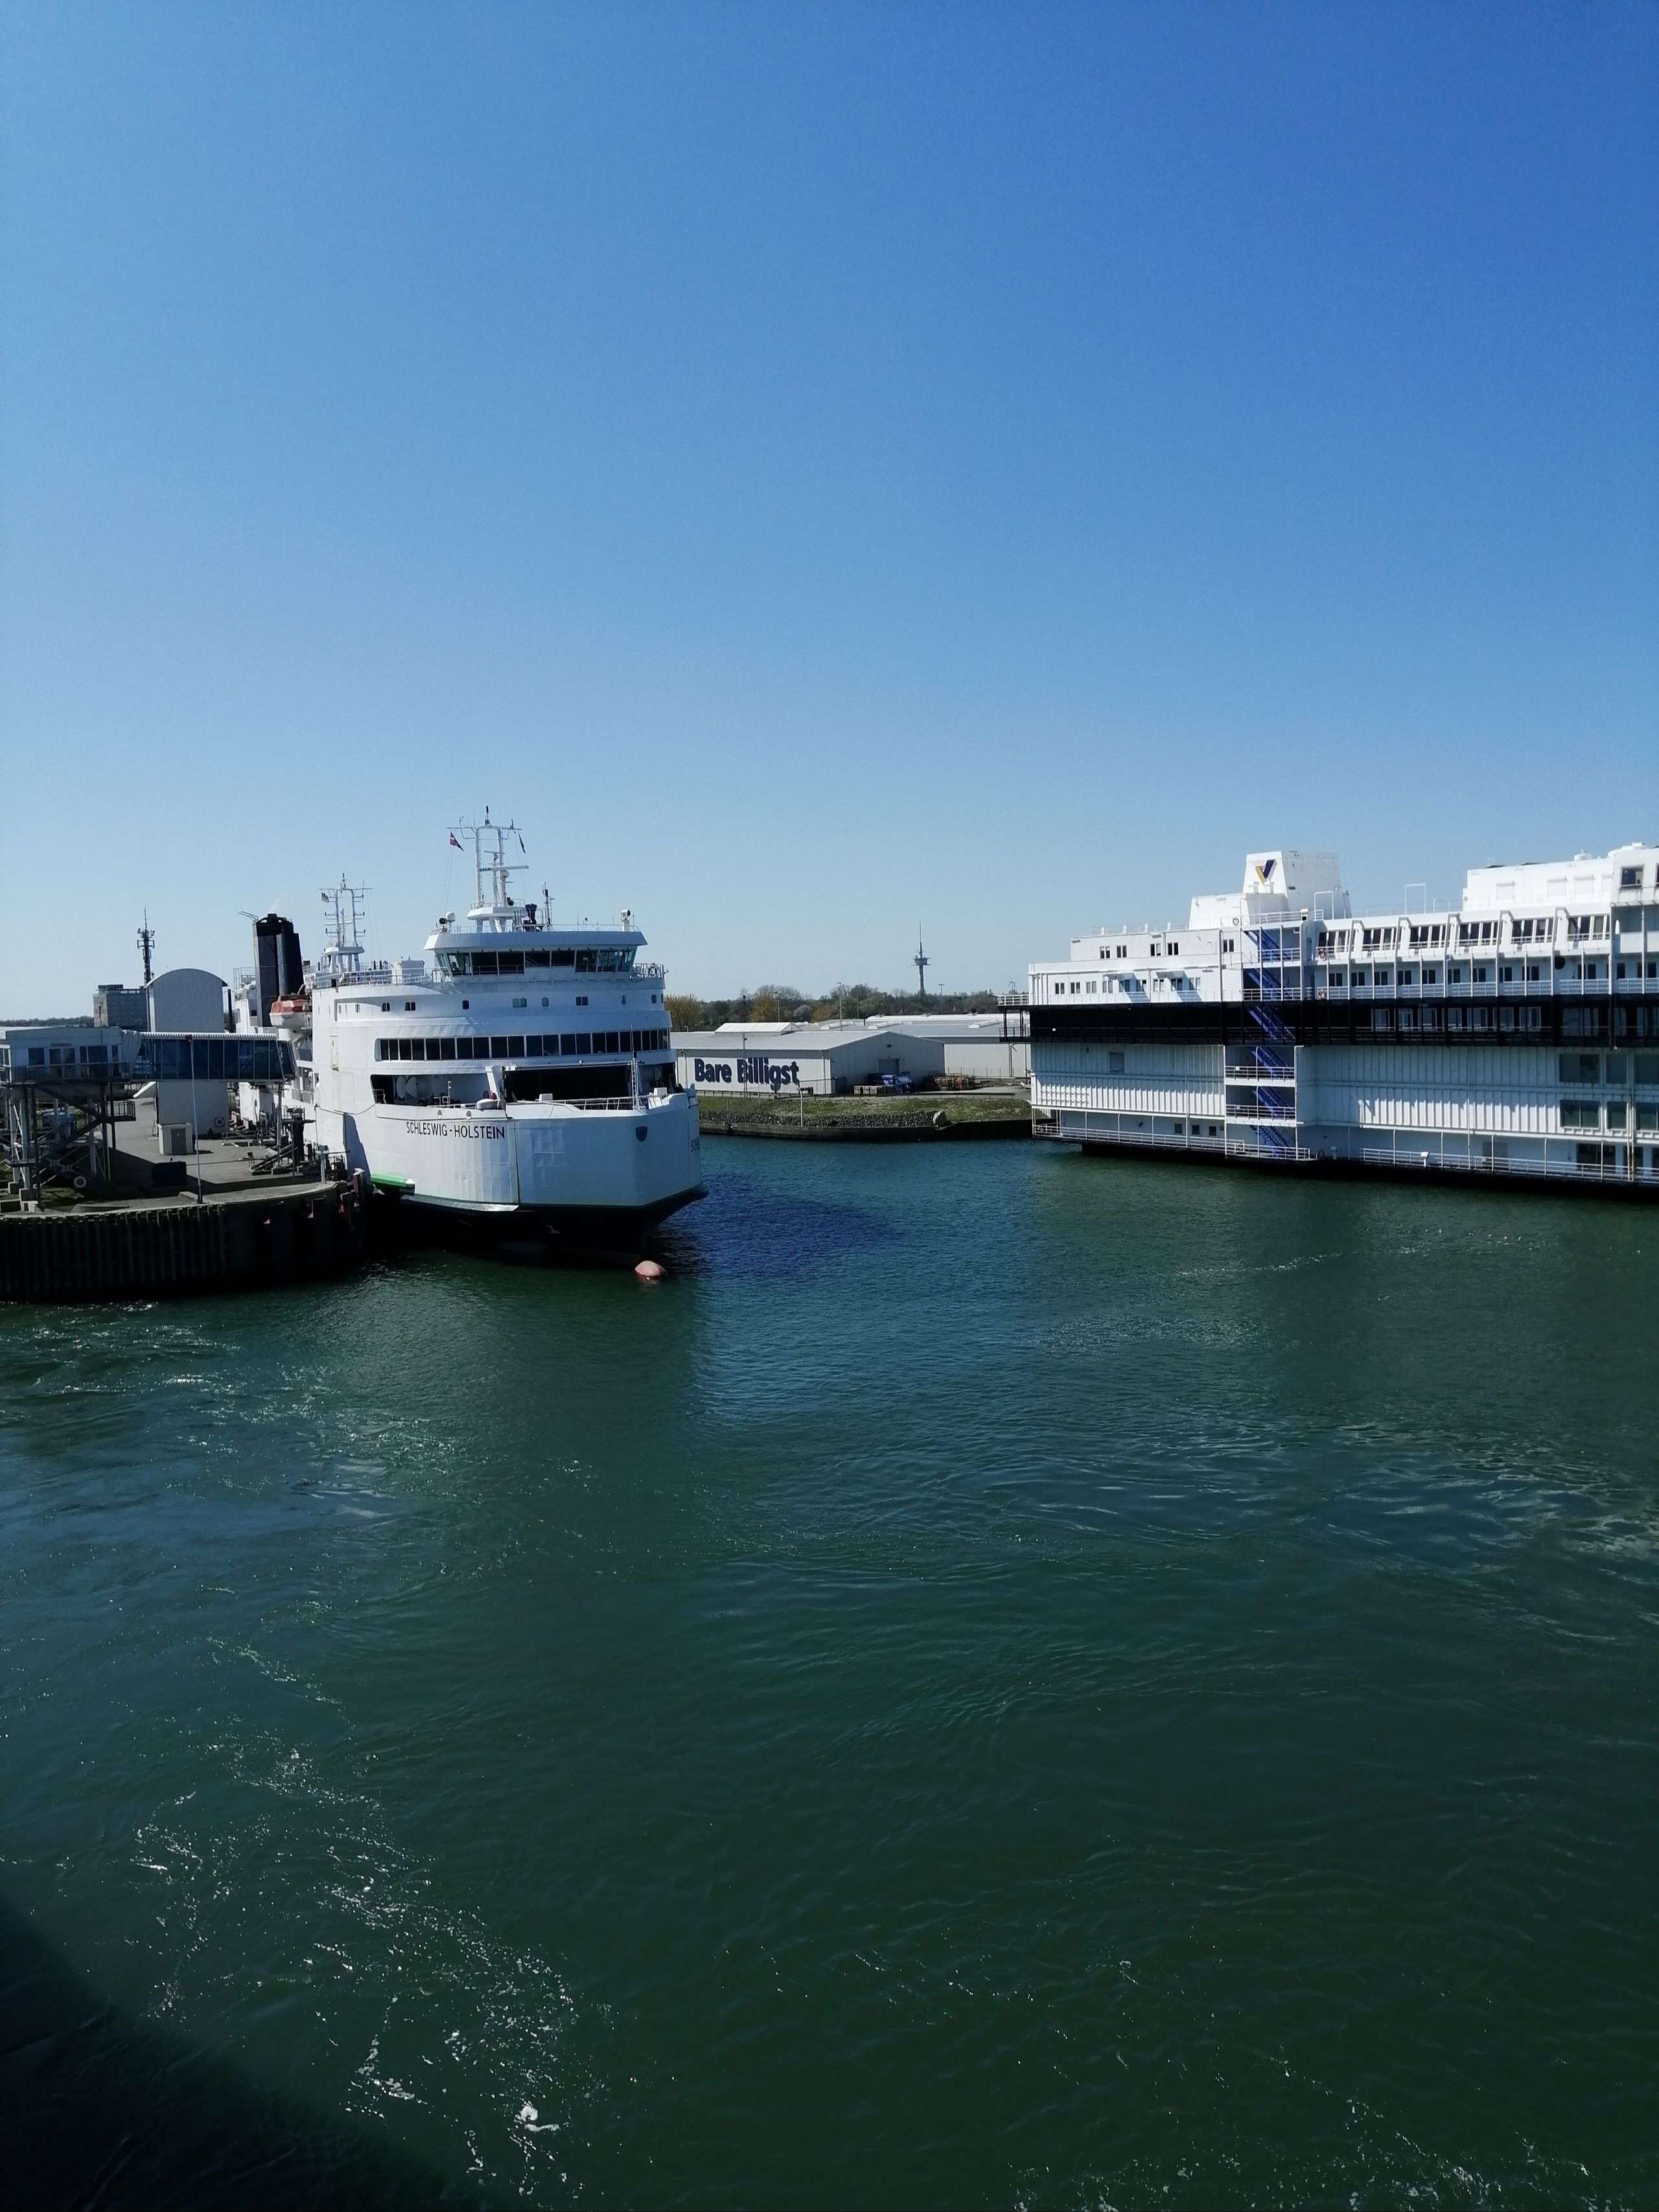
<point>1517,1035</point>
<point>515,1070</point>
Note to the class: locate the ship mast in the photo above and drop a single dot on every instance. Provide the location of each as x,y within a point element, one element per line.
<point>492,871</point>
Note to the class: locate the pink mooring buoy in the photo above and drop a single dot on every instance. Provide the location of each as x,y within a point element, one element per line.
<point>648,1271</point>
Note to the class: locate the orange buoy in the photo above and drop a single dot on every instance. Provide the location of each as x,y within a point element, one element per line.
<point>648,1271</point>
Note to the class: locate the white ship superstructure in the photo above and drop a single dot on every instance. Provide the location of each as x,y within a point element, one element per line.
<point>1517,1035</point>
<point>515,1068</point>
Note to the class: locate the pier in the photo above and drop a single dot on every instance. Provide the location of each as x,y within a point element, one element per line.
<point>144,1248</point>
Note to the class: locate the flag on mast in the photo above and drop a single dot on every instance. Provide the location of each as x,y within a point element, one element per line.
<point>456,842</point>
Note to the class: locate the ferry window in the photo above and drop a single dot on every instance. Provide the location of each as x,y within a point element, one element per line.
<point>447,1047</point>
<point>1408,975</point>
<point>1479,1017</point>
<point>1114,1063</point>
<point>1481,973</point>
<point>515,1047</point>
<point>1407,1018</point>
<point>1429,1018</point>
<point>498,1048</point>
<point>1580,1114</point>
<point>1647,1069</point>
<point>567,1044</point>
<point>1509,973</point>
<point>1453,1018</point>
<point>625,957</point>
<point>582,998</point>
<point>459,963</point>
<point>1630,879</point>
<point>409,1005</point>
<point>1381,1019</point>
<point>385,1006</point>
<point>484,963</point>
<point>563,956</point>
<point>584,1042</point>
<point>1535,973</point>
<point>537,959</point>
<point>509,964</point>
<point>585,962</point>
<point>1532,1017</point>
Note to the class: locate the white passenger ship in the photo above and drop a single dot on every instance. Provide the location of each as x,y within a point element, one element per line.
<point>514,1070</point>
<point>1516,1036</point>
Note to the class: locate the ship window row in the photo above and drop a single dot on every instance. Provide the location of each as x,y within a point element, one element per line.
<point>1584,1114</point>
<point>568,1045</point>
<point>1416,937</point>
<point>1641,1067</point>
<point>1430,1020</point>
<point>584,959</point>
<point>218,1060</point>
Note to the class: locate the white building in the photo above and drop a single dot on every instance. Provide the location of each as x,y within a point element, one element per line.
<point>1518,1035</point>
<point>824,1058</point>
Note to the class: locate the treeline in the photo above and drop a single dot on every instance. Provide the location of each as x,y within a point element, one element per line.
<point>850,1002</point>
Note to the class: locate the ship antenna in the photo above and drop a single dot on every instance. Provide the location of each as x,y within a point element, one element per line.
<point>147,945</point>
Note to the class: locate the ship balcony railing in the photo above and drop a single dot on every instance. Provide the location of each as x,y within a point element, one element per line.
<point>597,1105</point>
<point>1418,1156</point>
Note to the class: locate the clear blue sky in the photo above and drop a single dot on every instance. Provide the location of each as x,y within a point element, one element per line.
<point>822,469</point>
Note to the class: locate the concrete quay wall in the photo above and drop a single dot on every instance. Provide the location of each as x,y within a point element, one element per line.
<point>145,1251</point>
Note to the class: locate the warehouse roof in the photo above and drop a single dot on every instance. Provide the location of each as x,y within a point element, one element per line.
<point>775,1036</point>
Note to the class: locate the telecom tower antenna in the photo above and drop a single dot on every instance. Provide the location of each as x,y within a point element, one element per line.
<point>147,946</point>
<point>921,964</point>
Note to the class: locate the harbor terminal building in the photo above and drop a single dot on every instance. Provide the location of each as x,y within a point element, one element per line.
<point>1517,1035</point>
<point>824,1058</point>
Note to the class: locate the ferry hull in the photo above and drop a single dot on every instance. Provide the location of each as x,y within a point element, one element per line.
<point>608,1175</point>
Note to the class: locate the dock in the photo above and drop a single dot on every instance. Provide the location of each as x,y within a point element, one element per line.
<point>242,1232</point>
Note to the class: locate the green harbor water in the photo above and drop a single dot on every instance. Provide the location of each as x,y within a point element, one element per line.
<point>1009,1680</point>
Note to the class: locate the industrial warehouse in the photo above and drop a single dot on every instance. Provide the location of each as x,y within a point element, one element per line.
<point>826,1059</point>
